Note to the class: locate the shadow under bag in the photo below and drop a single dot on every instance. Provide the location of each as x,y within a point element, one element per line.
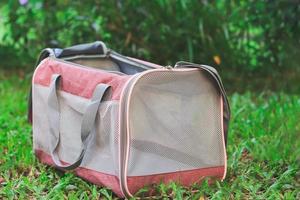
<point>124,123</point>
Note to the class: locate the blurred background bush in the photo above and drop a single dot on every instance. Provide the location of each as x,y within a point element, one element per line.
<point>243,39</point>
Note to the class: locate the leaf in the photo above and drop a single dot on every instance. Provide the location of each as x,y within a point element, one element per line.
<point>217,59</point>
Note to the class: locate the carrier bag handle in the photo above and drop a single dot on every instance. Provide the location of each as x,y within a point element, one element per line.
<point>87,123</point>
<point>94,48</point>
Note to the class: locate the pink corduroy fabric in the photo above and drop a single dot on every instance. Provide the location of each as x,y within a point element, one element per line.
<point>77,80</point>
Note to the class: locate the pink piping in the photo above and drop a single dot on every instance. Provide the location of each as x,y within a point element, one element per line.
<point>120,132</point>
<point>223,140</point>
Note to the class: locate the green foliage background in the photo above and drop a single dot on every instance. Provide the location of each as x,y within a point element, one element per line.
<point>245,35</point>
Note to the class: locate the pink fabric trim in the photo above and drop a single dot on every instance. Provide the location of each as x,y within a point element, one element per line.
<point>92,176</point>
<point>223,141</point>
<point>77,80</point>
<point>135,183</point>
<point>185,178</point>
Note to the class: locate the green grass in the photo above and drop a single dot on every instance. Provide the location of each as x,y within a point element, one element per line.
<point>263,152</point>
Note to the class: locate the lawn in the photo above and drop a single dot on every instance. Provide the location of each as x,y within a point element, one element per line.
<point>263,152</point>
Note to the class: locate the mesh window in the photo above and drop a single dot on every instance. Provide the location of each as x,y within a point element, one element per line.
<point>175,123</point>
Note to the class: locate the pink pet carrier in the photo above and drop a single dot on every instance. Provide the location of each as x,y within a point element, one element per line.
<point>124,123</point>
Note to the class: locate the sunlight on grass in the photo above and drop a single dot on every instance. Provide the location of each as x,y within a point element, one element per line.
<point>263,153</point>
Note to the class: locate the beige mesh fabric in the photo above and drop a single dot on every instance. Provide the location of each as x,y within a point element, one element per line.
<point>175,123</point>
<point>102,153</point>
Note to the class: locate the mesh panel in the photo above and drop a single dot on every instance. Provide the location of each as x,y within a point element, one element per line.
<point>102,153</point>
<point>175,123</point>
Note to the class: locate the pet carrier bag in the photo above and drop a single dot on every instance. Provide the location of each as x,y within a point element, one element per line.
<point>124,123</point>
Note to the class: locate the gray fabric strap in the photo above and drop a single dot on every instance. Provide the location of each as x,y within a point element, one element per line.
<point>87,123</point>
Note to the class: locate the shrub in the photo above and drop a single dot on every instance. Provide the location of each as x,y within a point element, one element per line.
<point>243,35</point>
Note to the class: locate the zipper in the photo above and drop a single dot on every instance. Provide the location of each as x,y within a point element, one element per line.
<point>168,67</point>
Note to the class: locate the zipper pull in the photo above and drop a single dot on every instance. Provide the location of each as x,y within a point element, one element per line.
<point>168,67</point>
